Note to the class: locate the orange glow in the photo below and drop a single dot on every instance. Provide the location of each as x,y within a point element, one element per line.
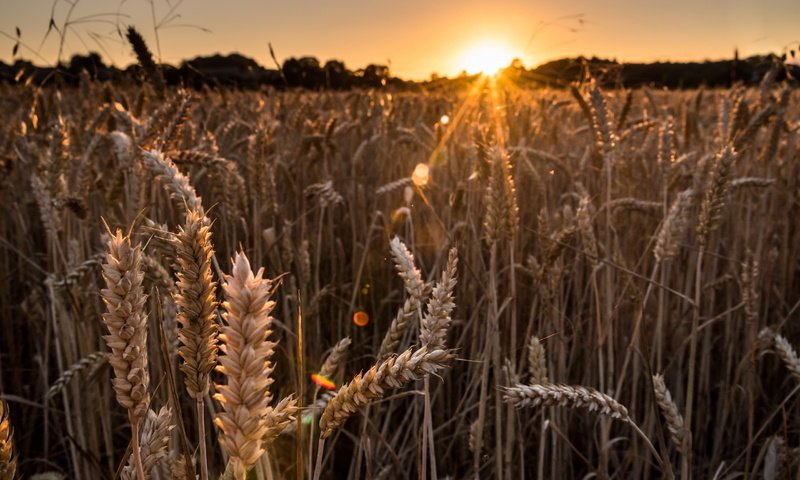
<point>487,57</point>
<point>323,381</point>
<point>360,318</point>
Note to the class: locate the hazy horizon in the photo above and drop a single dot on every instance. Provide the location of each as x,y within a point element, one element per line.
<point>415,38</point>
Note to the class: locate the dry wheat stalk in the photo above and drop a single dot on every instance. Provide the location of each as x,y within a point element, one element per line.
<point>750,293</point>
<point>8,462</point>
<point>392,373</point>
<point>154,442</point>
<point>679,434</point>
<point>537,361</point>
<point>588,238</point>
<point>245,364</point>
<point>437,319</point>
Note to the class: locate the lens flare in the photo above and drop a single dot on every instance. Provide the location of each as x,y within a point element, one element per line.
<point>323,381</point>
<point>421,175</point>
<point>360,318</point>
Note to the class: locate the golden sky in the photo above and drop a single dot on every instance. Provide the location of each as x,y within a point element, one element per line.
<point>418,37</point>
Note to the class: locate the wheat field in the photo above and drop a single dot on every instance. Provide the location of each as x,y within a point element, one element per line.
<point>488,282</point>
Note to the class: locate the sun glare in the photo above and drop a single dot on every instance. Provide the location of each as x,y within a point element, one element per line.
<point>486,58</point>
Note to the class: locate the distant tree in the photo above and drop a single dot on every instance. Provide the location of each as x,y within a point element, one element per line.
<point>293,72</point>
<point>304,72</point>
<point>92,64</point>
<point>336,75</point>
<point>376,75</point>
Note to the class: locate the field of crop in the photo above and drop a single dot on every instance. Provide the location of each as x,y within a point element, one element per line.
<point>490,283</point>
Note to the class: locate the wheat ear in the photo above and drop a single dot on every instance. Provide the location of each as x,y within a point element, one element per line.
<point>537,362</point>
<point>557,395</point>
<point>154,442</point>
<point>679,434</point>
<point>674,227</point>
<point>127,326</point>
<point>88,362</point>
<point>784,350</point>
<point>440,306</point>
<point>335,359</point>
<point>8,462</point>
<point>177,183</point>
<point>392,373</point>
<point>246,365</point>
<point>197,304</point>
<point>416,288</point>
<point>278,419</point>
<point>196,301</point>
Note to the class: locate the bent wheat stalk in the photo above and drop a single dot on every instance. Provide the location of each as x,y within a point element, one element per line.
<point>558,395</point>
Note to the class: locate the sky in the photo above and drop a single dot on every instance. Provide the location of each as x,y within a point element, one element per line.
<point>415,37</point>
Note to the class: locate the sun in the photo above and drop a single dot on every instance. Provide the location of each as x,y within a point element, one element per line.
<point>486,57</point>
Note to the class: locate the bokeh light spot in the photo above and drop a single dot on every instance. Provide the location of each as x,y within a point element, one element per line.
<point>421,175</point>
<point>360,318</point>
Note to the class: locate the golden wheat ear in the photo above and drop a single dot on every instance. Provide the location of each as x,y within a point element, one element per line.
<point>8,462</point>
<point>126,321</point>
<point>246,421</point>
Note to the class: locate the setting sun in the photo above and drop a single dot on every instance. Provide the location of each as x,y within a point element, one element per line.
<point>486,57</point>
